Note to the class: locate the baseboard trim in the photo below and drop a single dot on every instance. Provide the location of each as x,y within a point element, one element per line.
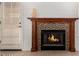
<point>10,49</point>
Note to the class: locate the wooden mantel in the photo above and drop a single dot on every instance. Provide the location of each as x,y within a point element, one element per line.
<point>69,21</point>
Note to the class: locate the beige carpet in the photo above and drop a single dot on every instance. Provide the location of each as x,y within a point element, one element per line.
<point>39,53</point>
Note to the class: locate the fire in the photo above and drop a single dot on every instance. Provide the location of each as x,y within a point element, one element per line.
<point>52,38</point>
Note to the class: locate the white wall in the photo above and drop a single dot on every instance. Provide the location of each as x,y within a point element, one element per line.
<point>77,32</point>
<point>54,9</point>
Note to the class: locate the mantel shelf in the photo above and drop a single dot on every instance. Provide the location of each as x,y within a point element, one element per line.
<point>31,18</point>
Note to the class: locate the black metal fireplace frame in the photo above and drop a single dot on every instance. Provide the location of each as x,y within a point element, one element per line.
<point>60,47</point>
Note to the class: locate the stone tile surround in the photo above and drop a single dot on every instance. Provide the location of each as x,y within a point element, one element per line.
<point>52,26</point>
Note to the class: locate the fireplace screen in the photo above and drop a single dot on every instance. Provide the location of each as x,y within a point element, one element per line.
<point>53,40</point>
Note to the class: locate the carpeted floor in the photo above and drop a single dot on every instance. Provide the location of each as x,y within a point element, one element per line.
<point>39,53</point>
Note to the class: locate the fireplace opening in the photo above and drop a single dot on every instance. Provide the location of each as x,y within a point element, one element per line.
<point>53,40</point>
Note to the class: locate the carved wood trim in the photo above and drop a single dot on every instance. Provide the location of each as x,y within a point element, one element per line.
<point>69,21</point>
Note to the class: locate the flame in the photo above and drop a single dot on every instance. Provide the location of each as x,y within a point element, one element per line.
<point>52,38</point>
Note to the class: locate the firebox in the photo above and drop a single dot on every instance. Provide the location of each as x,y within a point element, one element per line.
<point>53,40</point>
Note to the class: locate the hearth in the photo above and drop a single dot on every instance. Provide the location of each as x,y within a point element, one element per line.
<point>57,34</point>
<point>53,40</point>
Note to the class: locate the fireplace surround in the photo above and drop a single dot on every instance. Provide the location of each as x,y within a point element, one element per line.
<point>66,25</point>
<point>56,30</point>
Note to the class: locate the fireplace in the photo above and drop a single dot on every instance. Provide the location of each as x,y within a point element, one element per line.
<point>53,34</point>
<point>53,40</point>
